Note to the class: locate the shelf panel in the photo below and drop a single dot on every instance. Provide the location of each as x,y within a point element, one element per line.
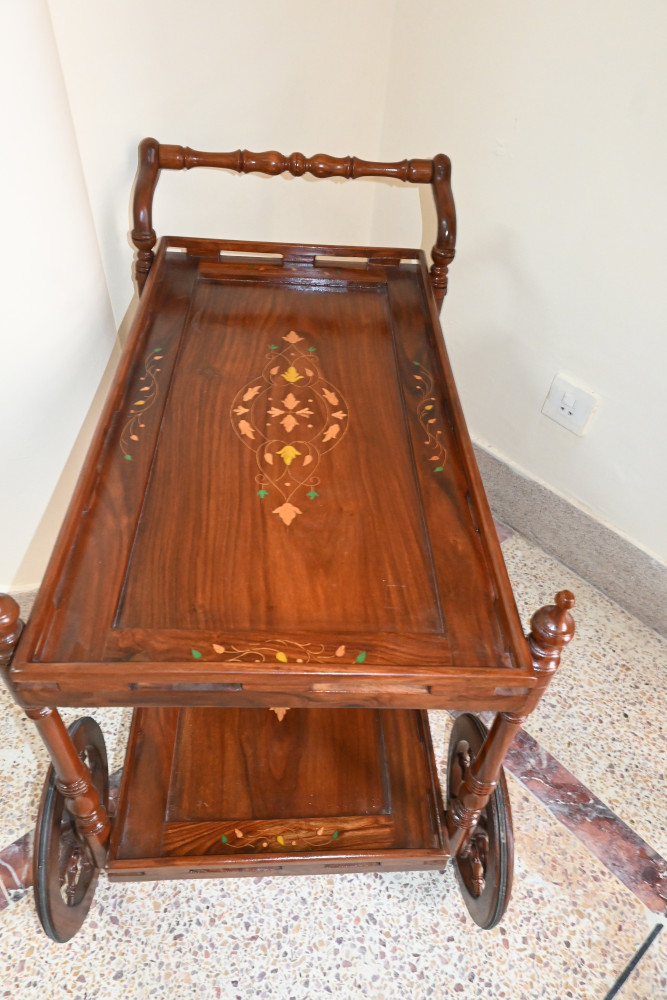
<point>210,791</point>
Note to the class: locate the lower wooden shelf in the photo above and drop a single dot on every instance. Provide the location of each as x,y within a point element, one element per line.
<point>211,792</point>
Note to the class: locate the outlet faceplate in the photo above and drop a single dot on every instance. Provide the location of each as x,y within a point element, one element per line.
<point>569,404</point>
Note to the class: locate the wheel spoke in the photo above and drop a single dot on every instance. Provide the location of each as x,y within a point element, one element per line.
<point>484,868</point>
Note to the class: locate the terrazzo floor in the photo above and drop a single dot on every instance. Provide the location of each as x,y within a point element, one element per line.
<point>590,788</point>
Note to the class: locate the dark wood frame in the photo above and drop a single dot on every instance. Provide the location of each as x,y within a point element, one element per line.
<point>513,688</point>
<point>154,157</point>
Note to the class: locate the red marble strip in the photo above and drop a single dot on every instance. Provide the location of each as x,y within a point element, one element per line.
<point>16,860</point>
<point>16,865</point>
<point>502,531</point>
<point>616,845</point>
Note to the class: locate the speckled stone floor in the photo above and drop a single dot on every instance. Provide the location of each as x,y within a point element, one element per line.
<point>591,837</point>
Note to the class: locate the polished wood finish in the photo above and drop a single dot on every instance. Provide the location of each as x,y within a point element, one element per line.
<point>318,791</point>
<point>74,783</point>
<point>11,628</point>
<point>154,156</point>
<point>64,870</point>
<point>485,866</point>
<point>71,775</point>
<point>281,516</point>
<point>552,628</point>
<point>361,598</point>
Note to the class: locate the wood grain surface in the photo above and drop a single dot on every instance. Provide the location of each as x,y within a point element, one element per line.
<point>329,787</point>
<point>281,481</point>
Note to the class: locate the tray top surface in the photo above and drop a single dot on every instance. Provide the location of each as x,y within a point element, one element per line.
<point>282,477</point>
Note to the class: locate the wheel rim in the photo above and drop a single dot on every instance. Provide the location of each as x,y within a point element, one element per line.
<point>486,870</point>
<point>65,875</point>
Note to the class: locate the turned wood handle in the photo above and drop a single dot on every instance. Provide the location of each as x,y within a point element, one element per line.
<point>154,157</point>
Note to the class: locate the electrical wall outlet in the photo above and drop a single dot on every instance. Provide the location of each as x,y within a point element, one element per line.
<point>569,405</point>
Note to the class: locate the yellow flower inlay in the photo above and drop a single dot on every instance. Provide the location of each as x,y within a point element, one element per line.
<point>288,454</point>
<point>291,375</point>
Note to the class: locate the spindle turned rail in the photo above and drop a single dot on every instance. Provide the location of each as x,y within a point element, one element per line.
<point>154,157</point>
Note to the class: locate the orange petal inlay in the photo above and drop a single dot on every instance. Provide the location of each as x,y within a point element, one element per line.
<point>287,512</point>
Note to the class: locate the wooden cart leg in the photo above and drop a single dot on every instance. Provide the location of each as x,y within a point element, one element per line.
<point>478,816</point>
<point>74,782</point>
<point>479,779</point>
<point>73,778</point>
<point>73,827</point>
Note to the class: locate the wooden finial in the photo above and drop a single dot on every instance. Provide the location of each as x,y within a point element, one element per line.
<point>11,627</point>
<point>551,628</point>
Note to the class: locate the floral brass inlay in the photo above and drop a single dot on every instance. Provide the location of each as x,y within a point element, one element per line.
<point>426,413</point>
<point>289,416</point>
<point>146,396</point>
<point>299,838</point>
<point>284,651</point>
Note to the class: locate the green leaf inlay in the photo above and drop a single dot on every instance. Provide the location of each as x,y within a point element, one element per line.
<point>262,493</point>
<point>439,468</point>
<point>156,350</point>
<point>223,839</point>
<point>312,494</point>
<point>272,347</point>
<point>416,363</point>
<point>362,657</point>
<point>196,655</point>
<point>334,835</point>
<point>312,348</point>
<point>128,457</point>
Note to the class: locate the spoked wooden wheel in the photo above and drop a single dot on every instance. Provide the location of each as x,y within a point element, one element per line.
<point>486,866</point>
<point>64,872</point>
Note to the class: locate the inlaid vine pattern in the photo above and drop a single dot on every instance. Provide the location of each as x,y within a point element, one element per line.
<point>282,651</point>
<point>290,416</point>
<point>427,414</point>
<point>296,838</point>
<point>146,394</point>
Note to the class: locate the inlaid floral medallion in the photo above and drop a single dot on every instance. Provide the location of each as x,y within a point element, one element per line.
<point>290,416</point>
<point>146,394</point>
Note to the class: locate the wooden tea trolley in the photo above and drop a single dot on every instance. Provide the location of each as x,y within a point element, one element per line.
<point>280,553</point>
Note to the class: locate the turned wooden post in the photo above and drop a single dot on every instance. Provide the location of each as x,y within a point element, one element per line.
<point>74,783</point>
<point>143,235</point>
<point>11,627</point>
<point>443,251</point>
<point>552,627</point>
<point>72,776</point>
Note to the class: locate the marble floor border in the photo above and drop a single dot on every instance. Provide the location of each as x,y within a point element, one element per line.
<point>616,845</point>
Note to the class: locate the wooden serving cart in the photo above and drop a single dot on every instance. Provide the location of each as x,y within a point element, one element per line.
<point>279,552</point>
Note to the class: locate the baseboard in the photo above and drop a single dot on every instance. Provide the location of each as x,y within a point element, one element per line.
<point>611,563</point>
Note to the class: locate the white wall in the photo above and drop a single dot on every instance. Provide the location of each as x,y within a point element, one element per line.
<point>555,118</point>
<point>57,327</point>
<point>219,75</point>
<point>552,114</point>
